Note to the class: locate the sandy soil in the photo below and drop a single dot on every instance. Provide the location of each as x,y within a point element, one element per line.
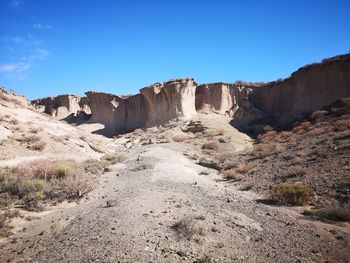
<point>131,214</point>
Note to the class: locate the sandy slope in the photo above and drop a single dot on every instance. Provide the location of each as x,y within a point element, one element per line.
<point>235,227</point>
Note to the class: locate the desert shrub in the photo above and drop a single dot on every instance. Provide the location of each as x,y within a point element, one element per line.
<point>292,194</point>
<point>231,174</point>
<point>35,130</point>
<point>182,138</point>
<point>186,227</point>
<point>318,131</point>
<point>71,187</point>
<point>93,166</point>
<point>318,114</point>
<point>319,153</point>
<point>213,145</point>
<point>346,101</point>
<point>28,190</point>
<point>242,169</point>
<point>262,150</point>
<point>14,122</point>
<point>31,139</point>
<point>268,136</point>
<point>113,158</point>
<point>295,170</point>
<point>142,167</point>
<point>204,259</point>
<point>223,157</point>
<point>343,135</point>
<point>334,213</point>
<point>343,124</point>
<point>37,146</point>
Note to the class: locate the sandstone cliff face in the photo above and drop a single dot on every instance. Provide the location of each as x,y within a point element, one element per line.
<point>251,105</point>
<point>306,90</point>
<point>156,104</point>
<point>62,106</point>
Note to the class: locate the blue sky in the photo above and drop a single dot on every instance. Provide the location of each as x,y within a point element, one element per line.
<point>119,46</point>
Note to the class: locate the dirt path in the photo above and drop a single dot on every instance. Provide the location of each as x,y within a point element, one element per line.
<point>155,188</point>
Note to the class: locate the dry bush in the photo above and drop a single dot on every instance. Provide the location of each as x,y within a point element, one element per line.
<point>204,259</point>
<point>292,194</point>
<point>302,127</point>
<point>113,158</point>
<point>182,138</point>
<point>37,146</point>
<point>285,134</point>
<point>18,187</point>
<point>343,135</point>
<point>212,145</point>
<point>343,124</point>
<point>223,157</point>
<point>231,174</point>
<point>262,150</point>
<point>318,131</point>
<point>35,130</point>
<point>295,170</point>
<point>319,153</point>
<point>186,227</point>
<point>71,187</point>
<point>14,122</point>
<point>346,101</point>
<point>142,167</point>
<point>334,213</point>
<point>268,136</point>
<point>318,114</point>
<point>242,169</point>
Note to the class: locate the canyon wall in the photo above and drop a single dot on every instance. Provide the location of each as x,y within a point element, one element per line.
<point>155,105</point>
<point>306,90</point>
<point>251,105</point>
<point>63,106</point>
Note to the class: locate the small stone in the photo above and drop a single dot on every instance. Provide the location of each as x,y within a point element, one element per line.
<point>181,253</point>
<point>111,203</point>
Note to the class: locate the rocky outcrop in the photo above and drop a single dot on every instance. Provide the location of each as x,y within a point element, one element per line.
<point>306,90</point>
<point>156,104</point>
<point>63,106</point>
<point>251,105</point>
<point>169,100</point>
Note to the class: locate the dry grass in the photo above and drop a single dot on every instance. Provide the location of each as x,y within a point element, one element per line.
<point>343,124</point>
<point>231,174</point>
<point>35,130</point>
<point>37,146</point>
<point>292,194</point>
<point>213,145</point>
<point>186,227</point>
<point>268,136</point>
<point>3,97</point>
<point>242,169</point>
<point>223,157</point>
<point>319,153</point>
<point>318,131</point>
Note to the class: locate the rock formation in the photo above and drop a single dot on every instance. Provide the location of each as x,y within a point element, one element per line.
<point>306,90</point>
<point>251,105</point>
<point>156,104</point>
<point>63,106</point>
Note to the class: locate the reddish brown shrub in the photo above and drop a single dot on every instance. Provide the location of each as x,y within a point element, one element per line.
<point>318,114</point>
<point>295,170</point>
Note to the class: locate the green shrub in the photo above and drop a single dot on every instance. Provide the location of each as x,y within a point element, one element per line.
<point>292,194</point>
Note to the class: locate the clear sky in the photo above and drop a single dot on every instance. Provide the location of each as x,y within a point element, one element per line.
<point>119,46</point>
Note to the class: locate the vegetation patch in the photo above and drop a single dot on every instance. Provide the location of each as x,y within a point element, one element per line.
<point>334,213</point>
<point>292,194</point>
<point>186,227</point>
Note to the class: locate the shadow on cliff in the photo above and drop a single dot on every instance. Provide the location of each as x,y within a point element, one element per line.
<point>76,119</point>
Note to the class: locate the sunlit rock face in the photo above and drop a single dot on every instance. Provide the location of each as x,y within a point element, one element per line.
<point>251,105</point>
<point>306,90</point>
<point>62,106</point>
<point>169,100</point>
<point>156,104</point>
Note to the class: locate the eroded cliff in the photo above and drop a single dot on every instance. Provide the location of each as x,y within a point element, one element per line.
<point>251,105</point>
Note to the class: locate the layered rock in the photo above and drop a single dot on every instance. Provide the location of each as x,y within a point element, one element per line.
<point>251,105</point>
<point>306,90</point>
<point>156,104</point>
<point>63,106</point>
